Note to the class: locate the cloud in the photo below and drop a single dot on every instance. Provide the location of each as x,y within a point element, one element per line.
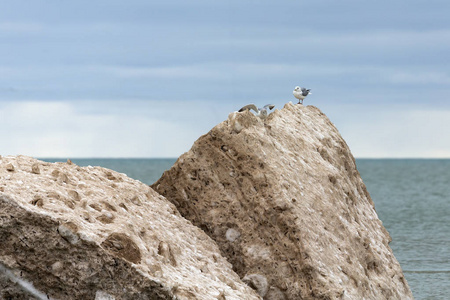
<point>61,129</point>
<point>20,27</point>
<point>351,40</point>
<point>224,70</point>
<point>167,129</point>
<point>419,77</point>
<point>399,132</point>
<point>153,65</point>
<point>172,72</point>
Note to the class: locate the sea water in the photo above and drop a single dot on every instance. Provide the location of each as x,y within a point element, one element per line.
<point>412,198</point>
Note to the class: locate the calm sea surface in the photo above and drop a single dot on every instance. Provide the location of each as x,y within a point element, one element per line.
<point>412,198</point>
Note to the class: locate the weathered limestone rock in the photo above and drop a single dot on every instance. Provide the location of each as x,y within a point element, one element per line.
<point>285,203</point>
<point>69,232</point>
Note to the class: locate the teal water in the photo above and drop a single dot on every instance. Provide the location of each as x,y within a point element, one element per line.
<point>146,170</point>
<point>412,198</point>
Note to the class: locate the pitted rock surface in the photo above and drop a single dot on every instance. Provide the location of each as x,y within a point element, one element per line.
<point>285,203</point>
<point>70,232</point>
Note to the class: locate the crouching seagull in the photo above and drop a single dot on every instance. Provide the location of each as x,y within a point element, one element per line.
<point>260,112</point>
<point>301,93</point>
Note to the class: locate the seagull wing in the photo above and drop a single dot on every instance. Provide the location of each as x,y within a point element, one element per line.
<point>270,106</point>
<point>248,107</point>
<point>305,92</point>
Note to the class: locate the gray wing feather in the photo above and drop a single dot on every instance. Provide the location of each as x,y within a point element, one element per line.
<point>270,106</point>
<point>305,92</point>
<point>248,107</point>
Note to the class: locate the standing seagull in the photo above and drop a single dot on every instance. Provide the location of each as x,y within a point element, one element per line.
<point>301,93</point>
<point>260,112</point>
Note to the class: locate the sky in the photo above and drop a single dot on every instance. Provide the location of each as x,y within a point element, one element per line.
<point>141,78</point>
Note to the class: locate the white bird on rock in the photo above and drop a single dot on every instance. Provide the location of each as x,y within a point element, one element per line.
<point>301,93</point>
<point>260,112</point>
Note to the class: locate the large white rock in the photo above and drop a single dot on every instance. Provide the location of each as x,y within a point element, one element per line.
<point>69,232</point>
<point>285,203</point>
